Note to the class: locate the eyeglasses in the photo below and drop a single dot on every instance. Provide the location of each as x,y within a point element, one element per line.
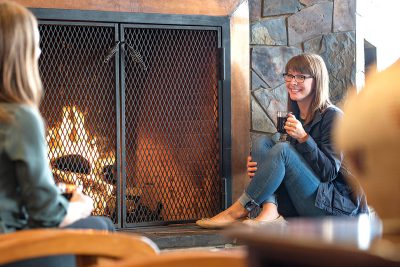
<point>298,78</point>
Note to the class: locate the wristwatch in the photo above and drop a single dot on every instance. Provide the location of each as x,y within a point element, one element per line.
<point>250,205</point>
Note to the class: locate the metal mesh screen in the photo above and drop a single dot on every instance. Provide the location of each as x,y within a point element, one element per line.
<point>79,109</point>
<point>171,124</point>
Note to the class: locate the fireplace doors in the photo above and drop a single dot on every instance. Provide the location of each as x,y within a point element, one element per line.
<point>133,115</point>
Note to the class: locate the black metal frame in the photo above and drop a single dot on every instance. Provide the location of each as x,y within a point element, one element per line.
<point>124,19</point>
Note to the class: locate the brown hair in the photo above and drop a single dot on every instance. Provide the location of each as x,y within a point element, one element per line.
<point>314,65</point>
<point>19,73</point>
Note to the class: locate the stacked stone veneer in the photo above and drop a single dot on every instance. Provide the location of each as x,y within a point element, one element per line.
<point>281,29</point>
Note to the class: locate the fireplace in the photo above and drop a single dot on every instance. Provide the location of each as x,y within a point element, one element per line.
<point>135,112</point>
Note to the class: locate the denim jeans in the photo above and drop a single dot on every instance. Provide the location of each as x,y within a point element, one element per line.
<point>284,178</point>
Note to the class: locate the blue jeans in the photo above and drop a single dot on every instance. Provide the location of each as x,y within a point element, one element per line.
<point>284,178</point>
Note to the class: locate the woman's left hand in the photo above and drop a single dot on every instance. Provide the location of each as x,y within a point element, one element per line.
<point>295,129</point>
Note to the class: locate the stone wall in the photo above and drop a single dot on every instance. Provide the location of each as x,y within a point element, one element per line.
<point>281,29</point>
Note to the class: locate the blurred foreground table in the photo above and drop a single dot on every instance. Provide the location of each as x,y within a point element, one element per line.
<point>327,241</point>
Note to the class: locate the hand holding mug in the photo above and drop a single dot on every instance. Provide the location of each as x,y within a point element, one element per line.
<point>295,129</point>
<point>80,205</point>
<point>86,202</point>
<point>75,196</point>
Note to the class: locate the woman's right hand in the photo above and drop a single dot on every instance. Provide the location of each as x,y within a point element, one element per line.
<point>251,167</point>
<point>80,207</point>
<point>85,202</point>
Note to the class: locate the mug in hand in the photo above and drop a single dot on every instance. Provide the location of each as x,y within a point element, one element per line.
<point>281,120</point>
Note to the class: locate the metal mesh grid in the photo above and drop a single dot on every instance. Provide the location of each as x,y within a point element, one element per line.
<point>79,109</point>
<point>171,127</point>
<point>171,130</point>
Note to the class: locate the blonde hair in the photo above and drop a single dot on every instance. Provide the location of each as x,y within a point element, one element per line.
<point>19,73</point>
<point>315,66</point>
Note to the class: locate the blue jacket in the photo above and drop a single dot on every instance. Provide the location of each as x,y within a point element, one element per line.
<point>339,192</point>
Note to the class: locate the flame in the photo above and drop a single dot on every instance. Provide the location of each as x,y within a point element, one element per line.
<point>71,138</point>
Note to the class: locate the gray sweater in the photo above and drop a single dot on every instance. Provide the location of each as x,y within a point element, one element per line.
<point>28,195</point>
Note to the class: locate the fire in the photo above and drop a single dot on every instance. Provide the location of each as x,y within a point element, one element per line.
<point>71,138</point>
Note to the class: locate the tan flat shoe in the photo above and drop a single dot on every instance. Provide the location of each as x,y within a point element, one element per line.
<point>253,222</point>
<point>207,223</point>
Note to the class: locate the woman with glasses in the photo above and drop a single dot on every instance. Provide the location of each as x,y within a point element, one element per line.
<point>304,176</point>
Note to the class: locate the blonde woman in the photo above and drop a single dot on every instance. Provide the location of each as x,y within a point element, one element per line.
<point>302,177</point>
<point>28,196</point>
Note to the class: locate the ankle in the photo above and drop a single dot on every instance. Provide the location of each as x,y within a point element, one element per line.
<point>237,211</point>
<point>237,214</point>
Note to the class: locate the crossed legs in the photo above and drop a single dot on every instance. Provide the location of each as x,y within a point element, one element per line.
<point>280,169</point>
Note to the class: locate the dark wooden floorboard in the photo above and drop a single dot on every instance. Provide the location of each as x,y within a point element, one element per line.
<point>182,236</point>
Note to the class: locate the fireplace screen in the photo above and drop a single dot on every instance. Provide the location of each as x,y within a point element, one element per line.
<point>132,115</point>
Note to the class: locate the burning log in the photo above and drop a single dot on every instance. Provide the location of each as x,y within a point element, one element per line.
<point>110,174</point>
<point>72,163</point>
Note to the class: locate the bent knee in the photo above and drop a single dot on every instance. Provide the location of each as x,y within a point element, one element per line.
<point>282,146</point>
<point>263,142</point>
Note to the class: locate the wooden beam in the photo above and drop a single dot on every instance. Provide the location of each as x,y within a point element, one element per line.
<point>187,7</point>
<point>240,93</point>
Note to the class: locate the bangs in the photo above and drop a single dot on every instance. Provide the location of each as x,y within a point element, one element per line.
<point>299,64</point>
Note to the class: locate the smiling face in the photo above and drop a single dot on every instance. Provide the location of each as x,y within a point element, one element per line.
<point>300,92</point>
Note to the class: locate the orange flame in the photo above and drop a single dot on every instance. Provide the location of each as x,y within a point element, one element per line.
<point>71,138</point>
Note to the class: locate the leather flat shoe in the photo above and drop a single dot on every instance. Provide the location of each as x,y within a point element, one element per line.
<point>207,223</point>
<point>253,222</point>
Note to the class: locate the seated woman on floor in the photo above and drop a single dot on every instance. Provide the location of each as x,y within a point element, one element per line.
<point>305,176</point>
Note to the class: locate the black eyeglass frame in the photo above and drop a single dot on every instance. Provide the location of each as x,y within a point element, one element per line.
<point>298,78</point>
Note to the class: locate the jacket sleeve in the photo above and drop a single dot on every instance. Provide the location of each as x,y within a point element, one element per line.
<point>319,150</point>
<point>28,150</point>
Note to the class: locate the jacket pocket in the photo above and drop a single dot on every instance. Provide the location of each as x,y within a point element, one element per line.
<point>329,198</point>
<point>342,204</point>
